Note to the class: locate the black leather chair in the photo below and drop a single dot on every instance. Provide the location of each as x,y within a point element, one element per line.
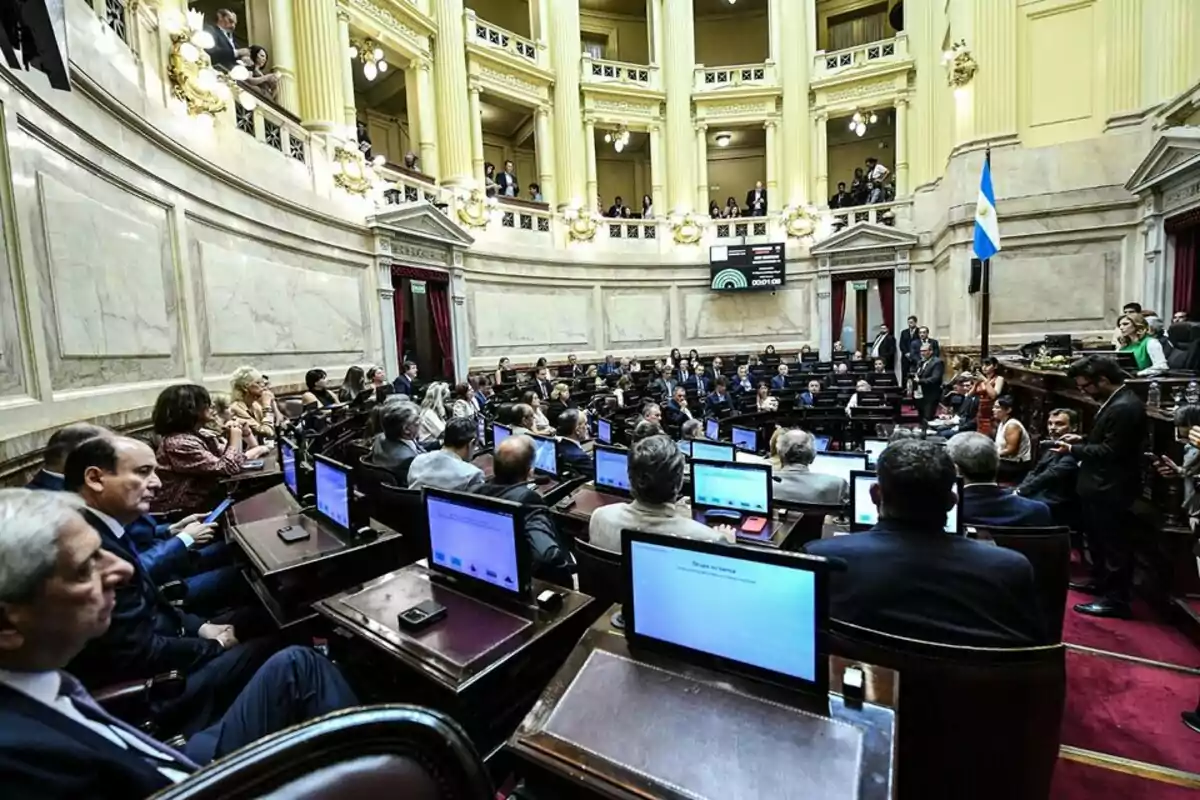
<point>979,723</point>
<point>368,478</point>
<point>600,573</point>
<point>381,751</point>
<point>1049,552</point>
<point>134,701</point>
<point>812,520</point>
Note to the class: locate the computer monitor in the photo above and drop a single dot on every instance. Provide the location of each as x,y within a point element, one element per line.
<point>545,455</point>
<point>287,463</point>
<point>809,357</point>
<point>874,447</point>
<point>745,438</point>
<point>499,434</point>
<point>685,447</point>
<point>479,542</point>
<point>604,431</point>
<point>864,514</point>
<point>612,470</point>
<point>334,491</point>
<point>839,464</point>
<point>712,429</point>
<point>821,442</point>
<point>749,611</point>
<point>711,451</point>
<point>737,487</point>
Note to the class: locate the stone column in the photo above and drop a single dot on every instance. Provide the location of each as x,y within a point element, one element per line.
<point>678,67</point>
<point>545,155</point>
<point>902,297</point>
<point>824,309</point>
<point>322,107</point>
<point>427,119</point>
<point>901,147</point>
<point>351,109</point>
<point>821,159</point>
<point>772,167</point>
<point>796,19</point>
<point>476,118</point>
<point>592,187</point>
<point>1169,53</point>
<point>569,143</point>
<point>774,12</point>
<point>1123,53</point>
<point>701,167</point>
<point>657,191</point>
<point>387,318</point>
<point>450,85</point>
<point>283,55</point>
<point>994,87</point>
<point>654,17</point>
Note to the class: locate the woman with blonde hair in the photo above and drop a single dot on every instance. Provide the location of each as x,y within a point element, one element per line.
<point>252,401</point>
<point>433,411</point>
<point>1135,337</point>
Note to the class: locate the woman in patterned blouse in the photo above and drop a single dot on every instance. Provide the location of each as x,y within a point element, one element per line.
<point>192,459</point>
<point>253,401</point>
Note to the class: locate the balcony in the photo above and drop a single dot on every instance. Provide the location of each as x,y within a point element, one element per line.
<point>602,72</point>
<point>493,37</point>
<point>894,214</point>
<point>738,76</point>
<point>274,127</point>
<point>884,53</point>
<point>407,186</point>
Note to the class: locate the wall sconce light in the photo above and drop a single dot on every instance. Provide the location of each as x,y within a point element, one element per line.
<point>723,139</point>
<point>960,65</point>
<point>371,56</point>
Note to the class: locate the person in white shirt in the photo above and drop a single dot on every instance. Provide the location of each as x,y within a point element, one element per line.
<point>1012,441</point>
<point>862,387</point>
<point>656,470</point>
<point>433,412</point>
<point>876,171</point>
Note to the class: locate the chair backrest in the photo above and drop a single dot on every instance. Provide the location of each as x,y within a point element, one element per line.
<point>812,522</point>
<point>403,510</point>
<point>973,722</point>
<point>378,751</point>
<point>369,477</point>
<point>1049,553</point>
<point>599,573</point>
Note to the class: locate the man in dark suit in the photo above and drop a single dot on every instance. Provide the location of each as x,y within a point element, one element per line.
<point>780,381</point>
<point>542,384</point>
<point>965,406</point>
<point>512,470</point>
<point>1109,481</point>
<point>572,430</point>
<point>984,501</point>
<point>683,375</point>
<point>58,447</point>
<point>699,382</point>
<point>225,52</point>
<point>927,382</point>
<point>1053,478</point>
<point>507,182</point>
<point>676,411</point>
<point>907,362</point>
<point>577,369</point>
<point>405,381</point>
<point>395,448</point>
<point>922,339</point>
<point>756,201</point>
<point>718,403</point>
<point>842,198</point>
<point>809,396</point>
<point>908,578</point>
<point>884,347</point>
<point>54,740</point>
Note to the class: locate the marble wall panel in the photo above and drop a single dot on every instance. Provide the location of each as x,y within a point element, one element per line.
<point>1060,288</point>
<point>528,319</point>
<point>787,313</point>
<point>634,319</point>
<point>12,349</point>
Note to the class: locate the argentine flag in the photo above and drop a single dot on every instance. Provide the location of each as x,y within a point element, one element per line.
<point>987,228</point>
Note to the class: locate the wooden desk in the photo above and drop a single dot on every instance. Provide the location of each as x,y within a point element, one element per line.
<point>551,762</point>
<point>483,664</point>
<point>270,471</point>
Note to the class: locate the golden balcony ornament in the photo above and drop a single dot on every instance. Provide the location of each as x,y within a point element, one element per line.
<point>193,80</point>
<point>961,66</point>
<point>351,171</point>
<point>475,208</point>
<point>581,226</point>
<point>800,222</point>
<point>687,229</point>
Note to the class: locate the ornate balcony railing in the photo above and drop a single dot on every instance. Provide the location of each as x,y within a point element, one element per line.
<point>708,79</point>
<point>619,73</point>
<point>742,228</point>
<point>275,128</point>
<point>486,34</point>
<point>408,186</point>
<point>877,214</point>
<point>522,217</point>
<point>885,51</point>
<point>630,230</point>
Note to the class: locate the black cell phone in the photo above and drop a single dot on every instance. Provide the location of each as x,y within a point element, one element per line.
<point>292,534</point>
<point>422,615</point>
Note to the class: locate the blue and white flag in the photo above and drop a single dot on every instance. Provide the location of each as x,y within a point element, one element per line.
<point>987,227</point>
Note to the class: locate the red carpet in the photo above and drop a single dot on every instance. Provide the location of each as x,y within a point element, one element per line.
<point>1130,710</point>
<point>1075,781</point>
<point>1145,636</point>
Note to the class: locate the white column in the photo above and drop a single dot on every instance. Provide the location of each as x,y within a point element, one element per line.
<point>701,167</point>
<point>428,120</point>
<point>821,159</point>
<point>657,190</point>
<point>450,78</point>
<point>654,17</point>
<point>592,188</point>
<point>901,147</point>
<point>774,22</point>
<point>824,310</point>
<point>902,297</point>
<point>283,54</point>
<point>545,155</point>
<point>476,135</point>
<point>351,111</point>
<point>797,21</point>
<point>678,70</point>
<point>565,49</point>
<point>459,325</point>
<point>772,167</point>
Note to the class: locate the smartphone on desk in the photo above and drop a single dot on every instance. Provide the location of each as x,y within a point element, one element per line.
<point>253,465</point>
<point>422,615</point>
<point>292,534</point>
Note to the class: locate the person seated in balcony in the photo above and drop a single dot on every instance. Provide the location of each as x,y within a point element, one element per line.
<point>506,182</point>
<point>714,210</point>
<point>364,141</point>
<point>490,187</point>
<point>731,209</point>
<point>858,188</point>
<point>756,201</point>
<point>535,193</point>
<point>626,213</point>
<point>264,82</point>
<point>411,161</point>
<point>225,52</point>
<point>842,198</point>
<point>874,192</point>
<point>615,209</point>
<point>647,207</point>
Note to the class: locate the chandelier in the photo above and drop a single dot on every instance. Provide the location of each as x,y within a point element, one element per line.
<point>371,56</point>
<point>619,139</point>
<point>860,121</point>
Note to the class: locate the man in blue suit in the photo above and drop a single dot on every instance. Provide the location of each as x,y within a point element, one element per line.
<point>404,383</point>
<point>58,447</point>
<point>984,502</point>
<point>907,577</point>
<point>717,403</point>
<point>54,740</point>
<point>809,396</point>
<point>572,430</point>
<point>699,382</point>
<point>780,381</point>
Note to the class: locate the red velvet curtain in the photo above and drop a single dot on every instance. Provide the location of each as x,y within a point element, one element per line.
<point>398,313</point>
<point>1187,262</point>
<point>887,296</point>
<point>839,309</point>
<point>439,311</point>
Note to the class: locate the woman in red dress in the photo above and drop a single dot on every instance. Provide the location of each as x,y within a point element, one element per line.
<point>989,387</point>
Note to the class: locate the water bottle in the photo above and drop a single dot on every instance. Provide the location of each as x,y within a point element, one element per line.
<point>1193,393</point>
<point>1154,397</point>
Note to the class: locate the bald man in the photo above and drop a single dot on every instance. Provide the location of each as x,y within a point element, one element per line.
<point>65,439</point>
<point>512,471</point>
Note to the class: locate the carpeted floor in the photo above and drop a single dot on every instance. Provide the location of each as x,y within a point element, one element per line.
<point>1076,781</point>
<point>1145,636</point>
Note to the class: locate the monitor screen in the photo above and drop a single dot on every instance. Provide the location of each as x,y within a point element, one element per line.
<point>545,455</point>
<point>738,487</point>
<point>287,463</point>
<point>712,429</point>
<point>612,469</point>
<point>764,614</point>
<point>874,447</point>
<point>865,512</point>
<point>839,464</point>
<point>333,492</point>
<point>476,542</point>
<point>821,443</point>
<point>685,447</point>
<point>711,451</point>
<point>499,434</point>
<point>745,438</point>
<point>604,431</point>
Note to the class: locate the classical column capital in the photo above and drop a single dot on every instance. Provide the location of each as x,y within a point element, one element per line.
<point>770,124</point>
<point>654,128</point>
<point>473,85</point>
<point>821,116</point>
<point>701,127</point>
<point>543,110</point>
<point>423,63</point>
<point>343,15</point>
<point>902,101</point>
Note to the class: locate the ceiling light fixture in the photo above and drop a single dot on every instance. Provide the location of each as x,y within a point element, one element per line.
<point>860,121</point>
<point>723,139</point>
<point>619,138</point>
<point>371,56</point>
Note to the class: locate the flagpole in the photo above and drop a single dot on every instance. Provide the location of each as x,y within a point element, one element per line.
<point>985,310</point>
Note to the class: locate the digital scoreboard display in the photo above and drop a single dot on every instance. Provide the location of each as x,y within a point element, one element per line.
<point>746,267</point>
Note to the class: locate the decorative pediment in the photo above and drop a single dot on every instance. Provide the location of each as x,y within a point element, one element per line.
<point>421,222</point>
<point>1175,152</point>
<point>864,237</point>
